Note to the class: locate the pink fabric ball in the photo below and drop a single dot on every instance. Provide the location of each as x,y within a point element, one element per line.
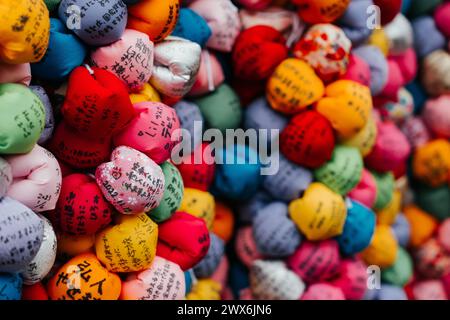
<point>131,181</point>
<point>395,81</point>
<point>442,18</point>
<point>164,280</point>
<point>221,273</point>
<point>130,58</point>
<point>436,116</point>
<point>358,70</point>
<point>391,149</point>
<point>352,279</point>
<point>315,261</point>
<point>416,132</point>
<point>402,70</point>
<point>151,131</point>
<point>36,179</point>
<point>407,63</point>
<point>444,234</point>
<point>365,191</point>
<point>323,291</point>
<point>429,290</point>
<point>245,246</point>
<point>223,19</point>
<point>209,77</point>
<point>15,73</point>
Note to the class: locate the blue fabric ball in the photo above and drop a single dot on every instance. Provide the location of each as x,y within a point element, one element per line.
<point>10,286</point>
<point>101,22</point>
<point>427,37</point>
<point>236,181</point>
<point>206,267</point>
<point>289,182</point>
<point>191,120</point>
<point>193,27</point>
<point>275,233</point>
<point>419,95</point>
<point>248,210</point>
<point>386,292</point>
<point>65,52</point>
<point>378,65</point>
<point>402,230</point>
<point>358,228</point>
<point>259,115</point>
<point>353,24</point>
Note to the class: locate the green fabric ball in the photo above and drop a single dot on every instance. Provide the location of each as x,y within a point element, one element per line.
<point>385,189</point>
<point>52,4</point>
<point>422,7</point>
<point>401,271</point>
<point>343,172</point>
<point>435,201</point>
<point>173,194</point>
<point>221,109</point>
<point>22,119</point>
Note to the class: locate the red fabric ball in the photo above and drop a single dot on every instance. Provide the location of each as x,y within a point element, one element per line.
<point>81,153</point>
<point>81,207</point>
<point>389,9</point>
<point>198,175</point>
<point>96,105</point>
<point>400,171</point>
<point>308,139</point>
<point>183,239</point>
<point>34,292</point>
<point>257,52</point>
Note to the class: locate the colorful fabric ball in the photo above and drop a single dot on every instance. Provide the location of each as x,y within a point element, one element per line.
<point>308,140</point>
<point>91,29</point>
<point>293,86</point>
<point>192,26</point>
<point>131,181</point>
<point>24,41</point>
<point>355,239</point>
<point>36,179</point>
<point>343,172</point>
<point>106,105</point>
<point>319,201</point>
<point>257,52</point>
<point>57,64</point>
<point>129,245</point>
<point>326,49</point>
<point>81,208</point>
<point>130,58</point>
<point>315,261</point>
<point>183,239</point>
<point>151,131</point>
<point>275,234</point>
<point>22,121</point>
